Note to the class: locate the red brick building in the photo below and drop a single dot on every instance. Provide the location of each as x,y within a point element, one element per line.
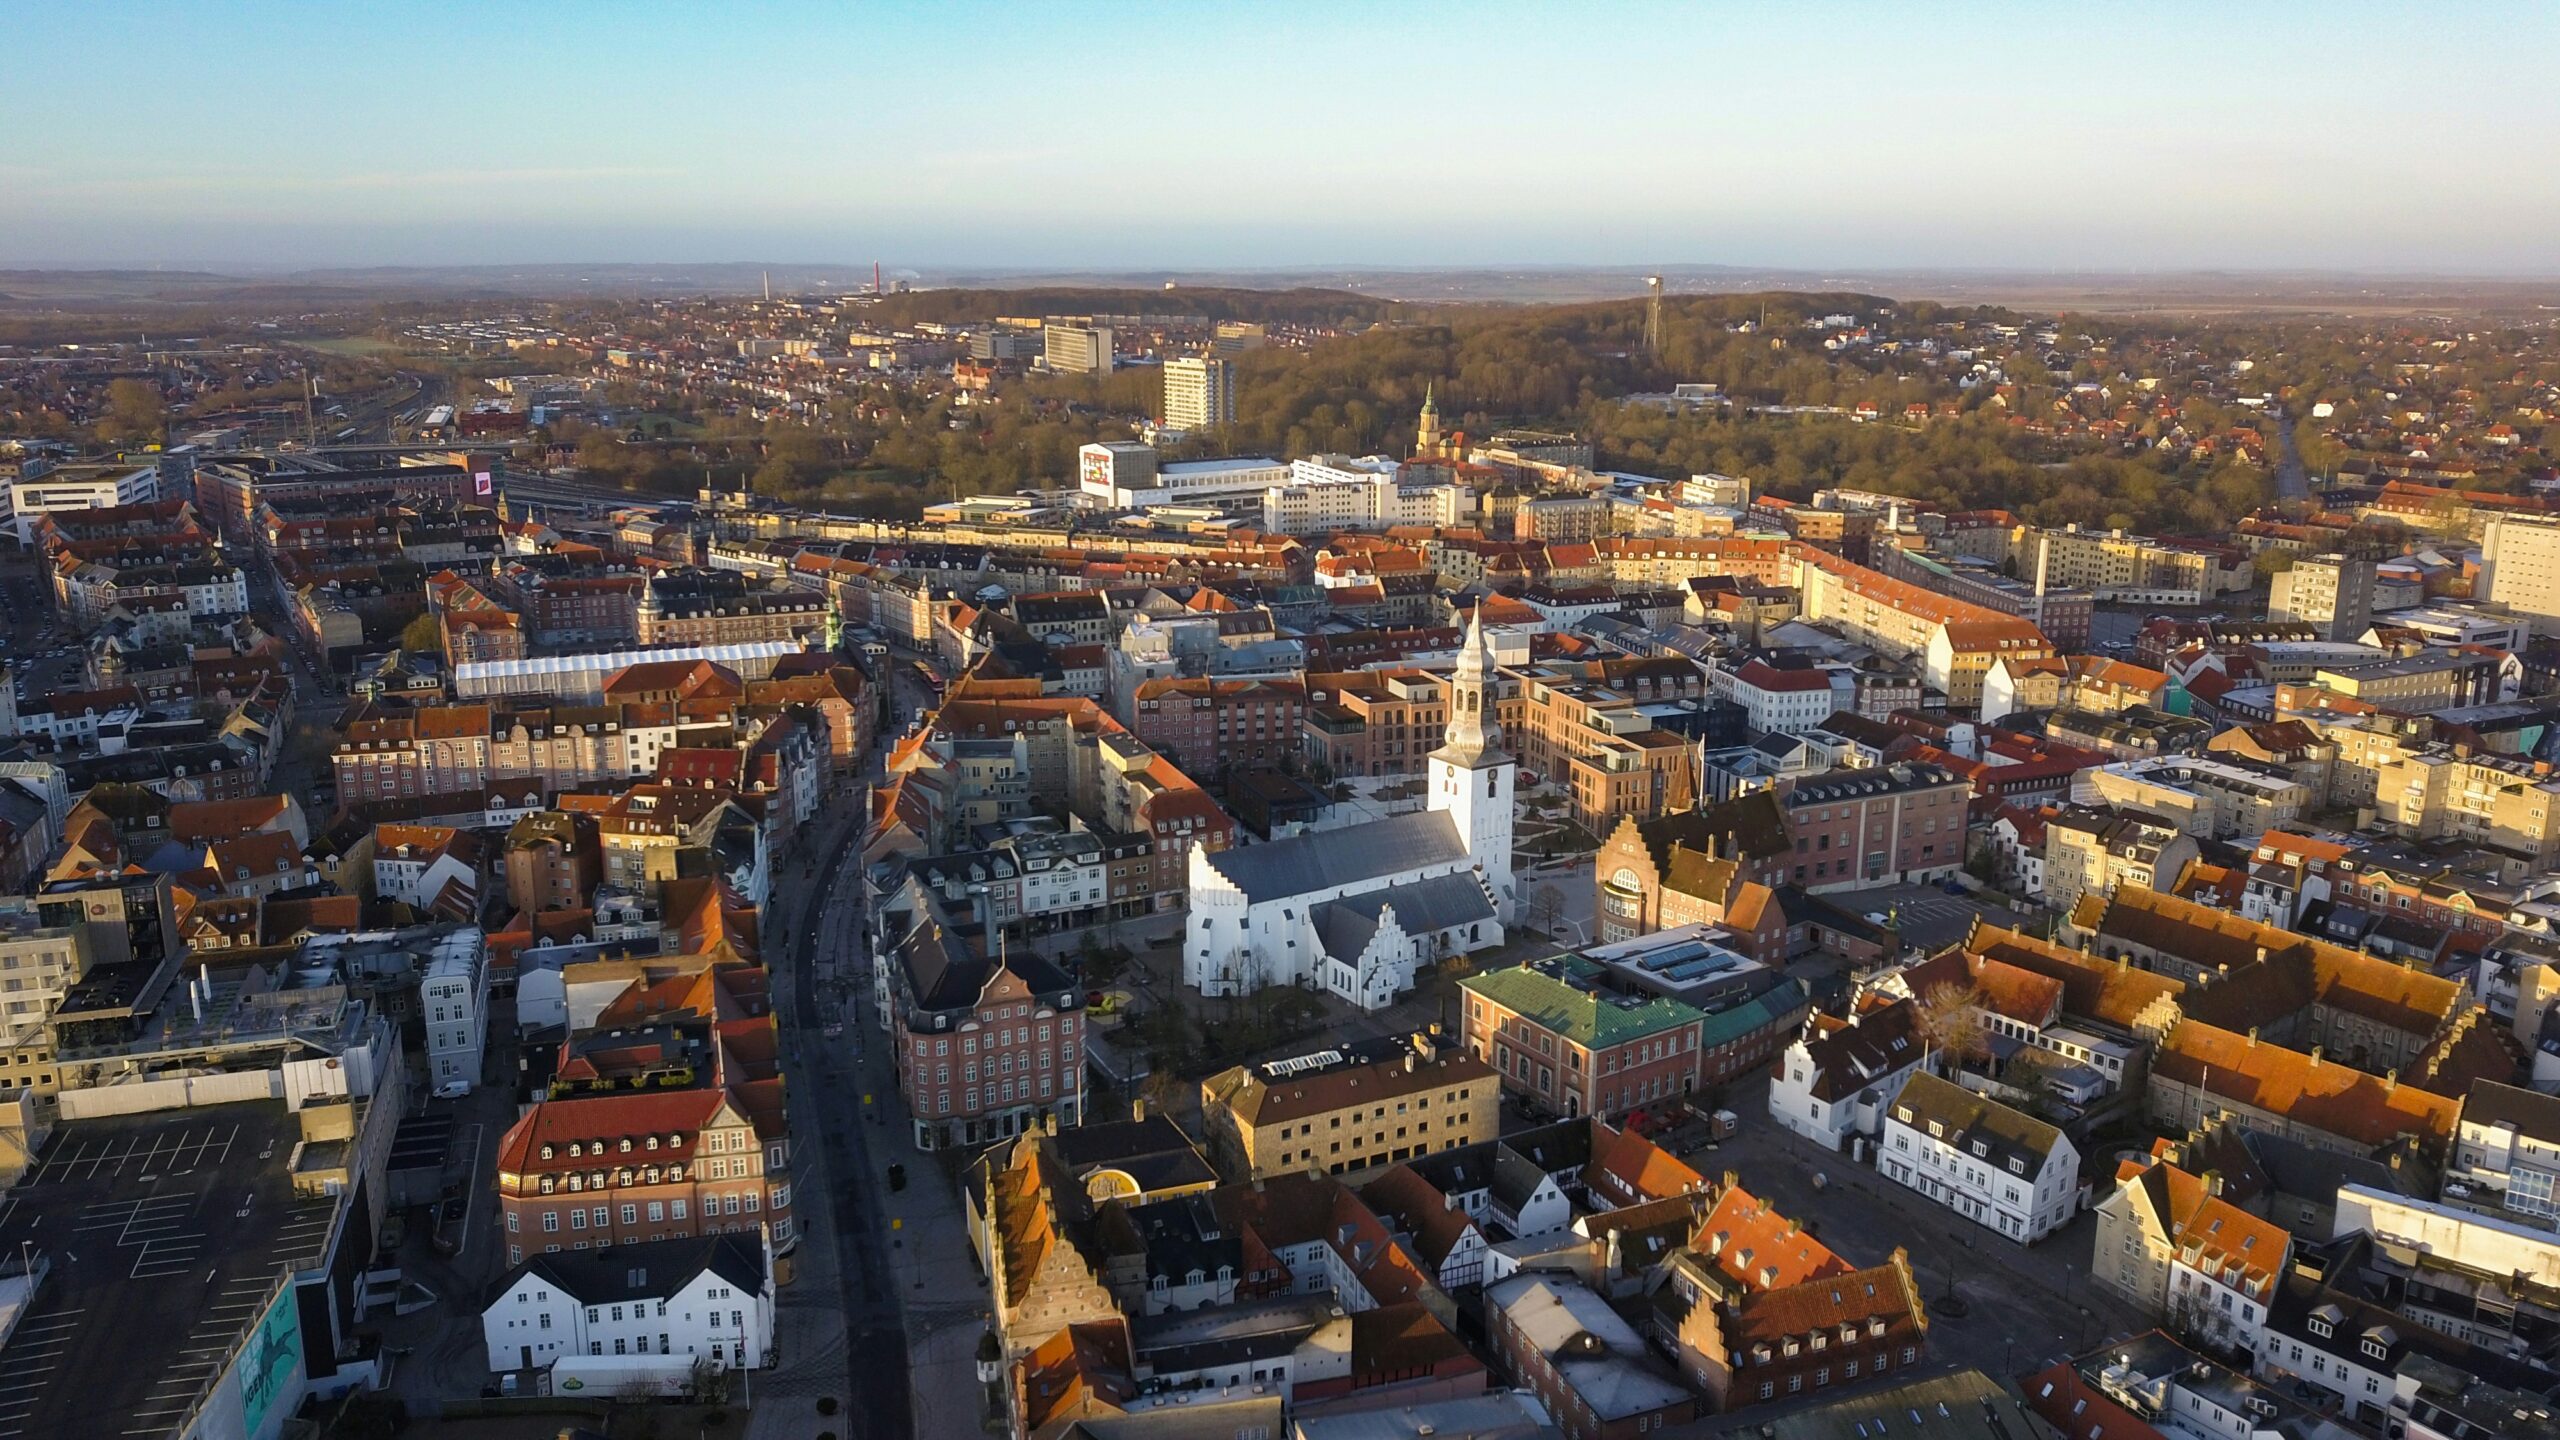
<point>591,1171</point>
<point>1207,726</point>
<point>987,1047</point>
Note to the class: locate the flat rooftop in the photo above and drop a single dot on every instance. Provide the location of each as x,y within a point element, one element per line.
<point>164,1233</point>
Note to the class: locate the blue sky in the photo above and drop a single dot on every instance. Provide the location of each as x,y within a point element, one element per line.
<point>1159,135</point>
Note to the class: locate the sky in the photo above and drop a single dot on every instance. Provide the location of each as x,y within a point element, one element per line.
<point>2250,136</point>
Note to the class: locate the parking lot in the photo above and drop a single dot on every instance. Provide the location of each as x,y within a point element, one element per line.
<point>2024,1304</point>
<point>164,1236</point>
<point>1927,916</point>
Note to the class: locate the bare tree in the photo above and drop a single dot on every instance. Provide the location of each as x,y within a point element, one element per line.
<point>1950,1019</point>
<point>1546,907</point>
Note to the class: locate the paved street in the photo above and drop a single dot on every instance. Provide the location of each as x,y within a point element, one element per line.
<point>887,1305</point>
<point>2026,1303</point>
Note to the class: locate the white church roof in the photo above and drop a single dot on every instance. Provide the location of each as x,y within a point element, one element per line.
<point>1304,864</point>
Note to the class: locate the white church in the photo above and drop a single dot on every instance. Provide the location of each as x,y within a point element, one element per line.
<point>1357,911</point>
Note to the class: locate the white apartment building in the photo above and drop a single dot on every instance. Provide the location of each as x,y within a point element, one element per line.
<point>1076,349</point>
<point>2506,1157</point>
<point>2520,568</point>
<point>29,499</point>
<point>1199,393</point>
<point>1791,701</point>
<point>1363,492</point>
<point>710,1297</point>
<point>2203,795</point>
<point>453,999</point>
<point>2001,1168</point>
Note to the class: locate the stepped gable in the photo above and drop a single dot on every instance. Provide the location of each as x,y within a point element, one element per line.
<point>2110,991</point>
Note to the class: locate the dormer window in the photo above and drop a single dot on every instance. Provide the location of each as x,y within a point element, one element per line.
<point>2319,1327</point>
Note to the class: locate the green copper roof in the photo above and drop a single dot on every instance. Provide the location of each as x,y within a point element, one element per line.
<point>1587,1019</point>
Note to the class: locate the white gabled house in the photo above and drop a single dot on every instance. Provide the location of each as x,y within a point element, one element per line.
<point>1837,1079</point>
<point>709,1297</point>
<point>2001,1168</point>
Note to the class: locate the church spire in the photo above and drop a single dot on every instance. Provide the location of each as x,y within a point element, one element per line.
<point>1475,727</point>
<point>1426,434</point>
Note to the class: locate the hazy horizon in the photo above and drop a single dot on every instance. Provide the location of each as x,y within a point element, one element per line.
<point>1113,138</point>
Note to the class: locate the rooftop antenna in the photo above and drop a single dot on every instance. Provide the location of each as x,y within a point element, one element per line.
<point>1653,316</point>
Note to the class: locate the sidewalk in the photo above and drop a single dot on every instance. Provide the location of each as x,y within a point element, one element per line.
<point>945,1300</point>
<point>932,1291</point>
<point>810,1325</point>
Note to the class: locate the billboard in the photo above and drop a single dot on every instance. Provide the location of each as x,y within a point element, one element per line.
<point>482,484</point>
<point>270,1360</point>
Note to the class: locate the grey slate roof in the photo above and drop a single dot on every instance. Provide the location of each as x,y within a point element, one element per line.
<point>649,1270</point>
<point>1302,864</point>
<point>1970,1120</point>
<point>2532,1113</point>
<point>1345,926</point>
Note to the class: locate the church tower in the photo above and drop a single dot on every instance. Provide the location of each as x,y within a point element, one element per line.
<point>1426,436</point>
<point>1472,775</point>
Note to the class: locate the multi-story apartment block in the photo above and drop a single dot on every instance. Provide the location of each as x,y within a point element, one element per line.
<point>1955,643</point>
<point>721,607</point>
<point>2520,567</point>
<point>1596,728</point>
<point>44,957</point>
<point>1072,349</point>
<point>2063,614</point>
<point>2135,569</point>
<point>2331,592</point>
<point>1999,1167</point>
<point>1903,823</point>
<point>453,1000</point>
<point>446,749</point>
<point>1349,1111</point>
<point>1375,722</point>
<point>2205,796</point>
<point>2501,802</point>
<point>591,1171</point>
<point>1199,392</point>
<point>2094,852</point>
<point>2506,1157</point>
<point>1562,518</point>
<point>987,1047</point>
<point>1209,726</point>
